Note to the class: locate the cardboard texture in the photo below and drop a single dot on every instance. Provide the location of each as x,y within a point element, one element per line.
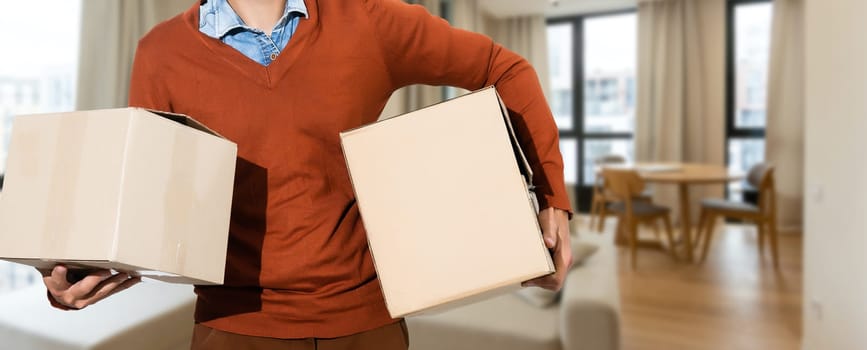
<point>126,189</point>
<point>445,198</point>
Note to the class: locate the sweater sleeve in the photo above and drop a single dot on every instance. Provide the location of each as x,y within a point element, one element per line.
<point>146,89</point>
<point>419,48</point>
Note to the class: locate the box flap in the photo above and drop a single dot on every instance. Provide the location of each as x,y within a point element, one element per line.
<point>184,120</point>
<point>523,164</point>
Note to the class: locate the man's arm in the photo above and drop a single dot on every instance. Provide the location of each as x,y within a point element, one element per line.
<point>419,48</point>
<point>146,89</point>
<point>422,49</point>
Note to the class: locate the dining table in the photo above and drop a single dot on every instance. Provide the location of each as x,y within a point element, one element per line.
<point>684,176</point>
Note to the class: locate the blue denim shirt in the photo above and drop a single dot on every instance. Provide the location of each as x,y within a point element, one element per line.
<point>218,20</point>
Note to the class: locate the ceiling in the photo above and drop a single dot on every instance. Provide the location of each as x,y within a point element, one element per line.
<point>509,8</point>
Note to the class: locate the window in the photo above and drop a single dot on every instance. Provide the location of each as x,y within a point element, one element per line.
<point>592,63</point>
<point>33,80</point>
<point>749,42</point>
<point>560,68</point>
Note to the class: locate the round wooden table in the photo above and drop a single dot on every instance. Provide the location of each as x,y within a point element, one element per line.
<point>683,175</point>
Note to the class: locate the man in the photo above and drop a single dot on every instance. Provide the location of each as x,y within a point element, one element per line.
<point>282,79</point>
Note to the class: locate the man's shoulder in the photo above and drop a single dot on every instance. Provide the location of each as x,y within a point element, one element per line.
<point>173,32</point>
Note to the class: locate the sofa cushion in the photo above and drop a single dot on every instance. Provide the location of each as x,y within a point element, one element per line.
<point>541,297</point>
<point>586,318</point>
<point>721,204</point>
<point>504,323</point>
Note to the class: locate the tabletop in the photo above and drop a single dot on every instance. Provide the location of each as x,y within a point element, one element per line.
<point>681,172</point>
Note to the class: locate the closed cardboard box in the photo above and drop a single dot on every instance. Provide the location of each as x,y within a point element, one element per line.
<point>127,189</point>
<point>445,199</point>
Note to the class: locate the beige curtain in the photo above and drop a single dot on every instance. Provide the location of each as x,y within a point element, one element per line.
<point>669,126</point>
<point>784,133</point>
<point>679,112</point>
<point>526,36</point>
<point>109,35</point>
<point>467,15</point>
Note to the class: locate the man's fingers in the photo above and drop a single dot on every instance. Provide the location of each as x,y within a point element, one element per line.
<point>547,282</point>
<point>562,262</point>
<point>56,281</point>
<point>549,227</point>
<point>555,232</point>
<point>86,285</point>
<point>107,288</point>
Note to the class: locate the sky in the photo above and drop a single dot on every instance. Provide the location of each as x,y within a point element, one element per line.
<point>37,35</point>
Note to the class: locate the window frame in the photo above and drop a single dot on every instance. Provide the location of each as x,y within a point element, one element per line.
<point>583,193</point>
<point>732,130</point>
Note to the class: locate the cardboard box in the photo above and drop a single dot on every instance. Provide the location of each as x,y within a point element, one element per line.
<point>445,198</point>
<point>125,189</point>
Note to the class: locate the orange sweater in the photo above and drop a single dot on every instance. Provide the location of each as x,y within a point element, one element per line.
<point>298,264</point>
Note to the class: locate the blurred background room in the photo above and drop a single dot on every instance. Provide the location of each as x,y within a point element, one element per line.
<point>740,120</point>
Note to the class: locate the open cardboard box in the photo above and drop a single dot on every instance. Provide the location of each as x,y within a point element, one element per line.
<point>446,199</point>
<point>128,189</point>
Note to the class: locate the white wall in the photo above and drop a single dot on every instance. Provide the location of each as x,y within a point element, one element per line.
<point>509,8</point>
<point>835,299</point>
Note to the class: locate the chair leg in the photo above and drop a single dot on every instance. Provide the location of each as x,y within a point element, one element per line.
<point>594,204</point>
<point>699,231</point>
<point>656,230</point>
<point>772,228</point>
<point>669,233</point>
<point>708,236</point>
<point>760,227</point>
<point>603,212</point>
<point>633,243</point>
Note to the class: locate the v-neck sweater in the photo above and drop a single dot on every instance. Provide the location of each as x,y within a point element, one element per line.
<point>298,264</point>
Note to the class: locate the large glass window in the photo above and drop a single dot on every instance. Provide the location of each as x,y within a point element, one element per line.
<point>37,74</point>
<point>748,57</point>
<point>560,65</point>
<point>593,68</point>
<point>609,74</point>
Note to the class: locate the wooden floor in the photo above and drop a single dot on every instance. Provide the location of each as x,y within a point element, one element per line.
<point>736,300</point>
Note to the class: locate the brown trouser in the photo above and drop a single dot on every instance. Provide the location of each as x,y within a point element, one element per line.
<point>390,337</point>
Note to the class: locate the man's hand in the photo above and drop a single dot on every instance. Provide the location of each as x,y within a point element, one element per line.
<point>555,231</point>
<point>93,287</point>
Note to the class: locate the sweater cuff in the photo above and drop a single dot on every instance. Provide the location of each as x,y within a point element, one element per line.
<point>557,202</point>
<point>551,187</point>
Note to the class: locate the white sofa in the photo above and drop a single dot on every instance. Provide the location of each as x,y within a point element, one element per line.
<point>585,318</point>
<point>150,315</point>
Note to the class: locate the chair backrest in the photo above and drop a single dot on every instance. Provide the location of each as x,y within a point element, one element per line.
<point>761,176</point>
<point>757,174</point>
<point>623,183</point>
<point>603,160</point>
<point>610,159</point>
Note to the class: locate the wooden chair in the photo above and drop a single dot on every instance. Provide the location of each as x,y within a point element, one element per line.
<point>601,199</point>
<point>760,176</point>
<point>625,185</point>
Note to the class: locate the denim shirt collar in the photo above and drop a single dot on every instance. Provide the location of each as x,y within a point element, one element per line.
<point>217,18</point>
